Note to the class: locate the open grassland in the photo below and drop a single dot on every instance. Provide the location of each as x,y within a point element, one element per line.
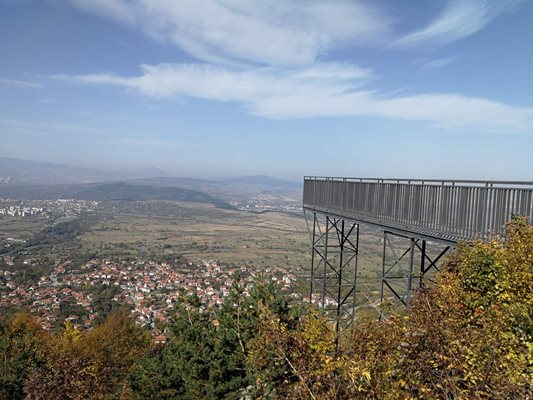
<point>20,228</point>
<point>197,231</point>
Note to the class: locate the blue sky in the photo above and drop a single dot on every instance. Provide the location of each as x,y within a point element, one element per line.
<point>285,88</point>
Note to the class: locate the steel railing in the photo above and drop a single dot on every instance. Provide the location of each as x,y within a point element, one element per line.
<point>447,209</point>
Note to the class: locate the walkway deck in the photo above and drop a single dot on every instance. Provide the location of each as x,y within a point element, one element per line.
<point>445,210</point>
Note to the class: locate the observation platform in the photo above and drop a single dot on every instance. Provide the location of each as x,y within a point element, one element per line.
<point>421,220</point>
<point>444,210</point>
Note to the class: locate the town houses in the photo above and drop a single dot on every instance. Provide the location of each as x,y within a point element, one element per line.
<point>149,288</point>
<point>46,208</point>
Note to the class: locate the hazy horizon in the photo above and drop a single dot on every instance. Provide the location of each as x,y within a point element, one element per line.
<point>165,173</point>
<point>215,89</point>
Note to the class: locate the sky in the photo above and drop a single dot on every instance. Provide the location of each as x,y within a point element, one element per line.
<point>287,88</point>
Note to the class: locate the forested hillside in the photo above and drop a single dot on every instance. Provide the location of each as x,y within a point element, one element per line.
<point>468,336</point>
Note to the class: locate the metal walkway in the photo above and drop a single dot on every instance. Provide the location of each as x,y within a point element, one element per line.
<point>438,209</point>
<point>421,220</point>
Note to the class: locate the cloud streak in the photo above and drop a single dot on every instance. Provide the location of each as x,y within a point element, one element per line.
<point>267,32</point>
<point>460,18</point>
<point>322,90</point>
<point>437,63</point>
<point>19,84</point>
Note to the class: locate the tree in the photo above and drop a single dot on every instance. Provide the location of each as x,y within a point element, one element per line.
<point>205,356</point>
<point>469,336</point>
<point>82,365</point>
<point>19,337</point>
<point>294,360</point>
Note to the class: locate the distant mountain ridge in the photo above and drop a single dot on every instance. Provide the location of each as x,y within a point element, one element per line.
<point>262,181</point>
<point>22,179</point>
<point>235,189</point>
<point>107,192</point>
<point>15,171</point>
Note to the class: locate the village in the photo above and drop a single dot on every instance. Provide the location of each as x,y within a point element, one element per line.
<point>46,208</point>
<point>150,289</point>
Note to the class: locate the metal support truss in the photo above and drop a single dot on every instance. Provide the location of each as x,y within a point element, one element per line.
<point>335,247</point>
<point>399,276</point>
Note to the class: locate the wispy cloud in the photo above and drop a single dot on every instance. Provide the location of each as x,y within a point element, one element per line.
<point>460,18</point>
<point>225,84</point>
<point>19,84</point>
<point>268,57</point>
<point>323,90</point>
<point>267,32</point>
<point>437,63</point>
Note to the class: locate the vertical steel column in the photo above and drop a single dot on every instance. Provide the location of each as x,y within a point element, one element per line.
<point>384,257</point>
<point>324,277</point>
<point>313,243</point>
<point>356,266</point>
<point>410,275</point>
<point>432,261</point>
<point>393,276</point>
<point>334,268</point>
<point>422,263</point>
<point>339,286</point>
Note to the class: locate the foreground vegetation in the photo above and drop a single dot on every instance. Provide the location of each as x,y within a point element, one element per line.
<point>468,336</point>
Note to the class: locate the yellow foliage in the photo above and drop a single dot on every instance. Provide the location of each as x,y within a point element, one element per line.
<point>82,365</point>
<point>467,337</point>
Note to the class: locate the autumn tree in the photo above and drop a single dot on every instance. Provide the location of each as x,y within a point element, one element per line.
<point>469,336</point>
<point>87,365</point>
<point>19,338</point>
<point>294,360</point>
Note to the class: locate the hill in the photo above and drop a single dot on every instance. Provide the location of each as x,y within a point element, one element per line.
<point>107,191</point>
<point>241,189</point>
<point>14,171</point>
<point>262,182</point>
<point>31,180</point>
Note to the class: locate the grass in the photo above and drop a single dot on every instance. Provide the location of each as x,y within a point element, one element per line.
<point>20,228</point>
<point>200,231</point>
